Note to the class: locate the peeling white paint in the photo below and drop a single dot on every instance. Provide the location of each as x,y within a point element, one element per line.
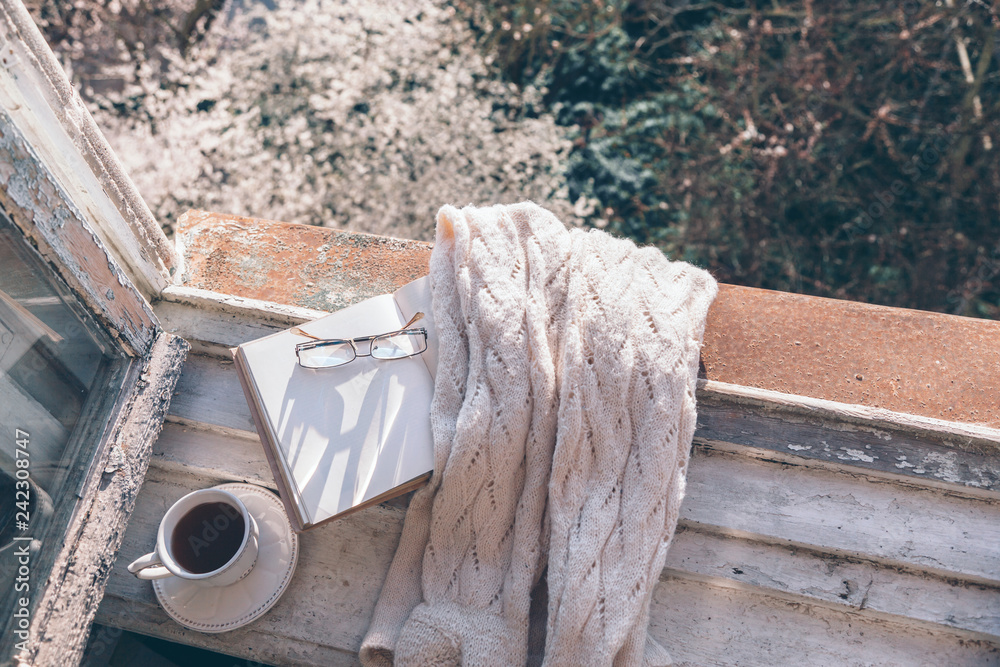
<point>51,117</point>
<point>946,465</point>
<point>116,459</point>
<point>855,455</point>
<point>799,448</point>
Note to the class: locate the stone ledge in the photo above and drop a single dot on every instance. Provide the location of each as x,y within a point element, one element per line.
<point>293,264</point>
<point>909,361</point>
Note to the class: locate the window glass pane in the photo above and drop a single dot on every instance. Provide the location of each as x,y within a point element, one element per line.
<point>59,378</point>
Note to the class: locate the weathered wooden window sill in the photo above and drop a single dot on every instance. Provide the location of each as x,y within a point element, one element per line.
<point>842,502</point>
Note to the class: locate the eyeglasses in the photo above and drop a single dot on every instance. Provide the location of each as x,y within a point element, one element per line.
<point>333,352</point>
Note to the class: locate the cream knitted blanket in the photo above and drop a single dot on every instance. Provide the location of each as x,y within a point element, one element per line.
<point>563,414</point>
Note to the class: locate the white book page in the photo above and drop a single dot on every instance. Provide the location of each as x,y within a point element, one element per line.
<point>349,433</point>
<point>413,298</point>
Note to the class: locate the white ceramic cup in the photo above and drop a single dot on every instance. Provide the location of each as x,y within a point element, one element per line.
<point>162,563</point>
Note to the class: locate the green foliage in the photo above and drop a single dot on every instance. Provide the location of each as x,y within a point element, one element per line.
<point>841,150</point>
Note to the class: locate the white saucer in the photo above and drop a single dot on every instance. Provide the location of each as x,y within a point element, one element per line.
<point>226,608</point>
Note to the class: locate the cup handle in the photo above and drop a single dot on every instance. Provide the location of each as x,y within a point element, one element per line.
<point>149,567</point>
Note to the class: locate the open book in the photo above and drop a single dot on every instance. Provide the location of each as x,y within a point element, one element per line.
<point>340,439</point>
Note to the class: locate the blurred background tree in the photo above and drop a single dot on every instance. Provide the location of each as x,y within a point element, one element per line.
<point>844,149</point>
<point>358,114</point>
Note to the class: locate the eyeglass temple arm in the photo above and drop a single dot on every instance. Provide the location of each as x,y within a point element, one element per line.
<point>413,320</point>
<point>295,330</point>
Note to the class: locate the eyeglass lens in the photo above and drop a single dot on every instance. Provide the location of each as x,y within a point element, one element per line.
<point>399,345</point>
<point>326,356</point>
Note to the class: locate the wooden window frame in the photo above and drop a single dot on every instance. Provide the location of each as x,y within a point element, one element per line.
<point>64,189</point>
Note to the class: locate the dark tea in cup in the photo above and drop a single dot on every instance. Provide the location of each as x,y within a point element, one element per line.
<point>207,537</point>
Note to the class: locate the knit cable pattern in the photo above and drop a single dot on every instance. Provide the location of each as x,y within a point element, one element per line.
<point>563,415</point>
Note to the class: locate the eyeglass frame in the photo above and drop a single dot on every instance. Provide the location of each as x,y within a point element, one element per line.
<point>323,342</point>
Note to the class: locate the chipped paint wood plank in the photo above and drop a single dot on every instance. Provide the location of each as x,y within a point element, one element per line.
<point>209,392</point>
<point>909,596</point>
<point>209,319</point>
<point>233,456</point>
<point>36,203</point>
<point>962,434</point>
<point>877,447</point>
<point>846,514</point>
<point>701,624</point>
<point>217,319</point>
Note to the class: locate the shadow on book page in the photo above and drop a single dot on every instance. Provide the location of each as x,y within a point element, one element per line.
<point>354,432</point>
